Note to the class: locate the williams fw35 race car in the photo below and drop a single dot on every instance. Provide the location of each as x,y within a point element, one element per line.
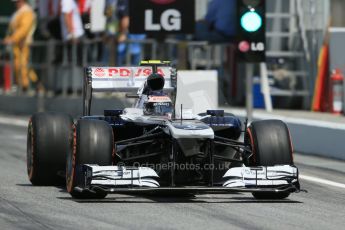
<point>157,146</point>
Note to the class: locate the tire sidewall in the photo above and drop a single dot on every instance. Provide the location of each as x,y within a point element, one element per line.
<point>47,147</point>
<point>256,134</point>
<point>267,152</point>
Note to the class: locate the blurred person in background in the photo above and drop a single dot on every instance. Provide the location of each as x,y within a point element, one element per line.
<point>20,35</point>
<point>84,10</point>
<point>134,49</point>
<point>49,21</point>
<point>95,45</point>
<point>50,52</point>
<point>219,24</point>
<point>64,23</point>
<point>72,30</point>
<point>117,14</point>
<point>71,24</point>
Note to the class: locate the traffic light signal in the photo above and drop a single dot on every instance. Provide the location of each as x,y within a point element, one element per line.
<point>251,30</point>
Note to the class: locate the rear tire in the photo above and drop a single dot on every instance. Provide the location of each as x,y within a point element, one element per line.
<point>271,145</point>
<point>93,143</point>
<point>48,142</point>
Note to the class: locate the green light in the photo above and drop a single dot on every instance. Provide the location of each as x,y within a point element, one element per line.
<point>251,21</point>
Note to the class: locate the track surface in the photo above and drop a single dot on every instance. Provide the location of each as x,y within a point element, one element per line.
<point>23,206</point>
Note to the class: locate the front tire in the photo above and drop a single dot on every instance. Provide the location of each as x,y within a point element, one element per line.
<point>93,143</point>
<point>48,142</point>
<point>271,145</point>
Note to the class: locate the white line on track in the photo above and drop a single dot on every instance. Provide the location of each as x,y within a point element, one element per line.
<point>13,121</point>
<point>322,181</point>
<point>292,120</point>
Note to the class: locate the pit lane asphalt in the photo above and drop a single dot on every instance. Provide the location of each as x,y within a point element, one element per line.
<point>23,206</point>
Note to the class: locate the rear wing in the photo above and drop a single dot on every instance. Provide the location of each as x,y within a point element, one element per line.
<point>122,79</point>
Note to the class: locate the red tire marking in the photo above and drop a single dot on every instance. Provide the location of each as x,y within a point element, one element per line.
<point>31,168</point>
<point>70,179</point>
<point>252,144</point>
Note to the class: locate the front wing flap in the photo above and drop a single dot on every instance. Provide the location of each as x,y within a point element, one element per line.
<point>114,179</point>
<point>119,176</point>
<point>269,176</point>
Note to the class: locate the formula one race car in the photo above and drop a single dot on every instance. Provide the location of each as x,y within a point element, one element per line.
<point>156,146</point>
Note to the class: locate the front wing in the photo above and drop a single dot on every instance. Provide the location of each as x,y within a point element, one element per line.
<point>117,179</point>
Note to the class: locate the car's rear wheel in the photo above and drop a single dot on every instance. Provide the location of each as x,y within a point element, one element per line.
<point>48,142</point>
<point>93,143</point>
<point>271,145</point>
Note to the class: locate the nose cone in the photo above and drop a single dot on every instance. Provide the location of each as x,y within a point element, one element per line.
<point>155,81</point>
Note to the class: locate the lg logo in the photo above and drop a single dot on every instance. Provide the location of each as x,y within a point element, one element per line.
<point>245,46</point>
<point>161,17</point>
<point>170,20</point>
<point>258,46</point>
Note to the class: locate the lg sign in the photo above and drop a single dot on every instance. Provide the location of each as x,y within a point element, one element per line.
<point>245,46</point>
<point>170,20</point>
<point>161,16</point>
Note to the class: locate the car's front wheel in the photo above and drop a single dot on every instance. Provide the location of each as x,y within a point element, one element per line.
<point>271,145</point>
<point>93,143</point>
